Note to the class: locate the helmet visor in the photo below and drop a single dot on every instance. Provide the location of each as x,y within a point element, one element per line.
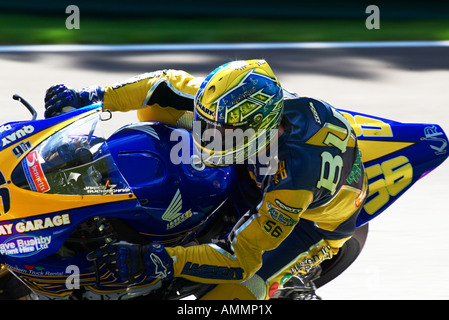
<point>223,145</point>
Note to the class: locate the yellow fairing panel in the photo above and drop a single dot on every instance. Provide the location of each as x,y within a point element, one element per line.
<point>372,149</point>
<point>25,203</point>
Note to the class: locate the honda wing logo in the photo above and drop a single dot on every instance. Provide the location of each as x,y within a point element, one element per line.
<point>173,215</point>
<point>173,210</point>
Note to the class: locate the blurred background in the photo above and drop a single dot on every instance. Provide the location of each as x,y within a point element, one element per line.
<point>180,21</point>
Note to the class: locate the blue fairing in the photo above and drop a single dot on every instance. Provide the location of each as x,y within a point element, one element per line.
<point>177,192</point>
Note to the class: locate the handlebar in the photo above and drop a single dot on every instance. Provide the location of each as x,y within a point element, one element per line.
<point>26,104</point>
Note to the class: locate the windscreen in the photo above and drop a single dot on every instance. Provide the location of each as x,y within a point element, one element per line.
<point>73,161</point>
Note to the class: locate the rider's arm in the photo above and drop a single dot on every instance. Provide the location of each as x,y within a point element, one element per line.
<point>161,95</point>
<point>240,256</point>
<point>166,96</point>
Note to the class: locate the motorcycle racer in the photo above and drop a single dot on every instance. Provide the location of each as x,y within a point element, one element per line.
<point>310,195</point>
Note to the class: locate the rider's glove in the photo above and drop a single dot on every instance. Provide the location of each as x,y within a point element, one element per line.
<point>126,261</point>
<point>61,99</point>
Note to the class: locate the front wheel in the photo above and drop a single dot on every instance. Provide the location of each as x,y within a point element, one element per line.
<point>332,268</point>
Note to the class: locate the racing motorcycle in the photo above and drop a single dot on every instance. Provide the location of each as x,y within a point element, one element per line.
<point>66,191</point>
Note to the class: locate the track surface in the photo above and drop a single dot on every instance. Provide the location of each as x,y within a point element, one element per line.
<point>405,256</point>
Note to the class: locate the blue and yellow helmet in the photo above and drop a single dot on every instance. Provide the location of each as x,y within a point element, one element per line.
<point>238,109</point>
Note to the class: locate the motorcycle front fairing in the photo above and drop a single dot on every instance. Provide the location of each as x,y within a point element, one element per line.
<point>56,174</point>
<point>44,183</point>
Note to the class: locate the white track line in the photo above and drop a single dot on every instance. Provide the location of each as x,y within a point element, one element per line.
<point>219,46</point>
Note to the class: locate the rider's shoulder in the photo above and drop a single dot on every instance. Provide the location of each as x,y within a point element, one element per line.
<point>304,116</point>
<point>316,109</point>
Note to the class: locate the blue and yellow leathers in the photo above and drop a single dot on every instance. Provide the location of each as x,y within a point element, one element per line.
<point>308,208</point>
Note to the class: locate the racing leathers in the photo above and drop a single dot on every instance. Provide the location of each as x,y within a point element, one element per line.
<point>308,207</point>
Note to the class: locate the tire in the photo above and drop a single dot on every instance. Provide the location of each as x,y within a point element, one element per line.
<point>11,287</point>
<point>330,269</point>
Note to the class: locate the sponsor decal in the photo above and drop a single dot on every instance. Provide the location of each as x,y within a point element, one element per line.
<point>179,219</point>
<point>173,215</point>
<point>34,225</point>
<point>212,272</point>
<point>356,171</point>
<point>316,116</point>
<point>34,173</point>
<point>5,127</point>
<point>432,135</point>
<point>21,148</point>
<point>6,229</point>
<point>106,189</point>
<point>160,269</point>
<point>25,130</point>
<point>287,208</point>
<point>206,111</point>
<point>35,270</point>
<point>280,217</point>
<point>24,246</point>
<point>311,259</point>
<point>243,96</point>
